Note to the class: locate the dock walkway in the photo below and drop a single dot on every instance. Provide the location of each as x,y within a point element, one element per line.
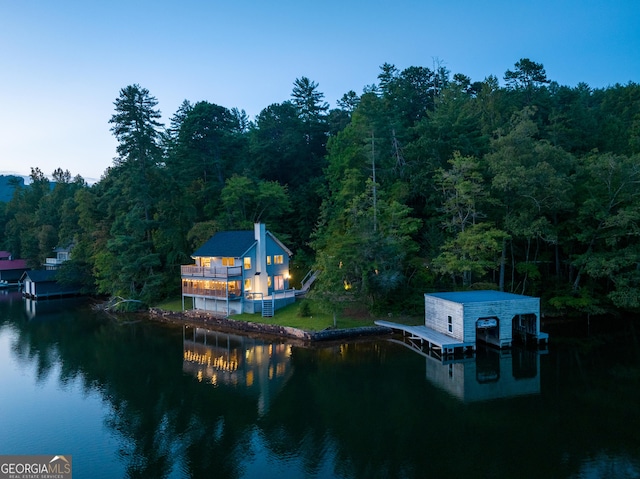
<point>434,340</point>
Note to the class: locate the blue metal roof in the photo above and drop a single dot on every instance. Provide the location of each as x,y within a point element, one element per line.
<point>228,244</point>
<point>40,275</point>
<point>478,296</point>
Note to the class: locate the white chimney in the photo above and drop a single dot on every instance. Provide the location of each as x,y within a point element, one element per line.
<point>260,283</point>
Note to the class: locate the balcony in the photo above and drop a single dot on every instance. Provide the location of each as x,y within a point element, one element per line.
<point>219,293</point>
<point>213,272</point>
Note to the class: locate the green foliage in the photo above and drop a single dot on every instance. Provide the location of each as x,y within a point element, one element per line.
<point>247,202</point>
<point>473,252</point>
<point>424,181</point>
<point>304,311</point>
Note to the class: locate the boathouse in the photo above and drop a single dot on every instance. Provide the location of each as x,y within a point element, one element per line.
<point>494,317</point>
<point>42,284</point>
<point>456,321</point>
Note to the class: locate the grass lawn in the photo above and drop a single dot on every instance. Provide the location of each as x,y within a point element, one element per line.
<point>317,320</point>
<point>175,304</point>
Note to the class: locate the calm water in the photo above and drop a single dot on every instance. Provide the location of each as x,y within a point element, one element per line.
<point>142,399</point>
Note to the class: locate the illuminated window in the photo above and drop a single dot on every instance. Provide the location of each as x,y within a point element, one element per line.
<point>247,284</point>
<point>205,262</point>
<point>269,281</point>
<point>247,263</point>
<point>279,280</point>
<point>268,259</point>
<point>278,259</point>
<point>228,262</point>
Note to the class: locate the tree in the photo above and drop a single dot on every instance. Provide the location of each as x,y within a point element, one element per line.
<point>608,238</point>
<point>290,148</point>
<point>474,251</point>
<point>363,252</point>
<point>526,74</point>
<point>308,100</point>
<point>349,101</point>
<point>475,245</point>
<point>531,180</point>
<point>277,146</point>
<point>137,130</point>
<point>462,191</point>
<point>247,202</point>
<point>129,264</point>
<point>206,144</point>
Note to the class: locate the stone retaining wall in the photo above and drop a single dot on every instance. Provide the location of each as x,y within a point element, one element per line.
<point>220,322</point>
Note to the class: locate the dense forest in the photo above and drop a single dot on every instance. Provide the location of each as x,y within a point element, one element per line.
<point>425,181</point>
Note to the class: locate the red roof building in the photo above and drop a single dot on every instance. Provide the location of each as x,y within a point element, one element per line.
<point>11,269</point>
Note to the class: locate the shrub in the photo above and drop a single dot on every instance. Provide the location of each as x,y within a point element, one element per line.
<point>304,311</point>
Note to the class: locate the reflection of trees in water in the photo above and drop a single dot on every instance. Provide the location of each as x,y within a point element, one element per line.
<point>366,408</point>
<point>165,419</point>
<point>374,410</point>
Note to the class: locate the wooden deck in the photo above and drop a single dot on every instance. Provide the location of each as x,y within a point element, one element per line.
<point>434,340</point>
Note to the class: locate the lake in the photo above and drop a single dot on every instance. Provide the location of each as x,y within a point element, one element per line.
<point>143,399</point>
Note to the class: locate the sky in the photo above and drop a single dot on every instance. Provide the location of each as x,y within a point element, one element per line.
<point>64,62</point>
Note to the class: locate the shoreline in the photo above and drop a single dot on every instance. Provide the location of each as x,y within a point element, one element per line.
<point>264,329</point>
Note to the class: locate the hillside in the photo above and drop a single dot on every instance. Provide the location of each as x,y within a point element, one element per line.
<point>6,186</point>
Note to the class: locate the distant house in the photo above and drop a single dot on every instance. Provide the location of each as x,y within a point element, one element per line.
<point>11,269</point>
<point>62,254</point>
<point>239,271</point>
<point>42,284</point>
<point>493,317</point>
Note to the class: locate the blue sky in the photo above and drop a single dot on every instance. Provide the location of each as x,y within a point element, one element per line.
<point>63,63</point>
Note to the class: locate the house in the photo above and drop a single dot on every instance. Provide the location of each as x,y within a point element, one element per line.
<point>62,255</point>
<point>42,284</point>
<point>493,317</point>
<point>11,269</point>
<point>239,271</point>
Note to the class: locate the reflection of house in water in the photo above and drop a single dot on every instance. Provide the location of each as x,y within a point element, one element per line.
<point>35,308</point>
<point>10,296</point>
<point>492,374</point>
<point>250,364</point>
<point>488,374</point>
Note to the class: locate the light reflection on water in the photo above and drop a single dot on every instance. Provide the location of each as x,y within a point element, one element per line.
<point>150,400</point>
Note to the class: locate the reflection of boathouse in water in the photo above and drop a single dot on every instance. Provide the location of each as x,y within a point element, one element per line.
<point>221,358</point>
<point>489,373</point>
<point>468,341</point>
<point>492,374</point>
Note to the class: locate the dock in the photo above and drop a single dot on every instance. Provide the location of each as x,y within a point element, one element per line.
<point>435,341</point>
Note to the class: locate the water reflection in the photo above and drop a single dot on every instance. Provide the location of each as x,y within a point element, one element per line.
<point>10,295</point>
<point>488,374</point>
<point>153,400</point>
<point>49,308</point>
<point>260,369</point>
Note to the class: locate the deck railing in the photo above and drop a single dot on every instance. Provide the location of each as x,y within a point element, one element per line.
<point>210,272</point>
<point>208,292</point>
<point>287,293</point>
